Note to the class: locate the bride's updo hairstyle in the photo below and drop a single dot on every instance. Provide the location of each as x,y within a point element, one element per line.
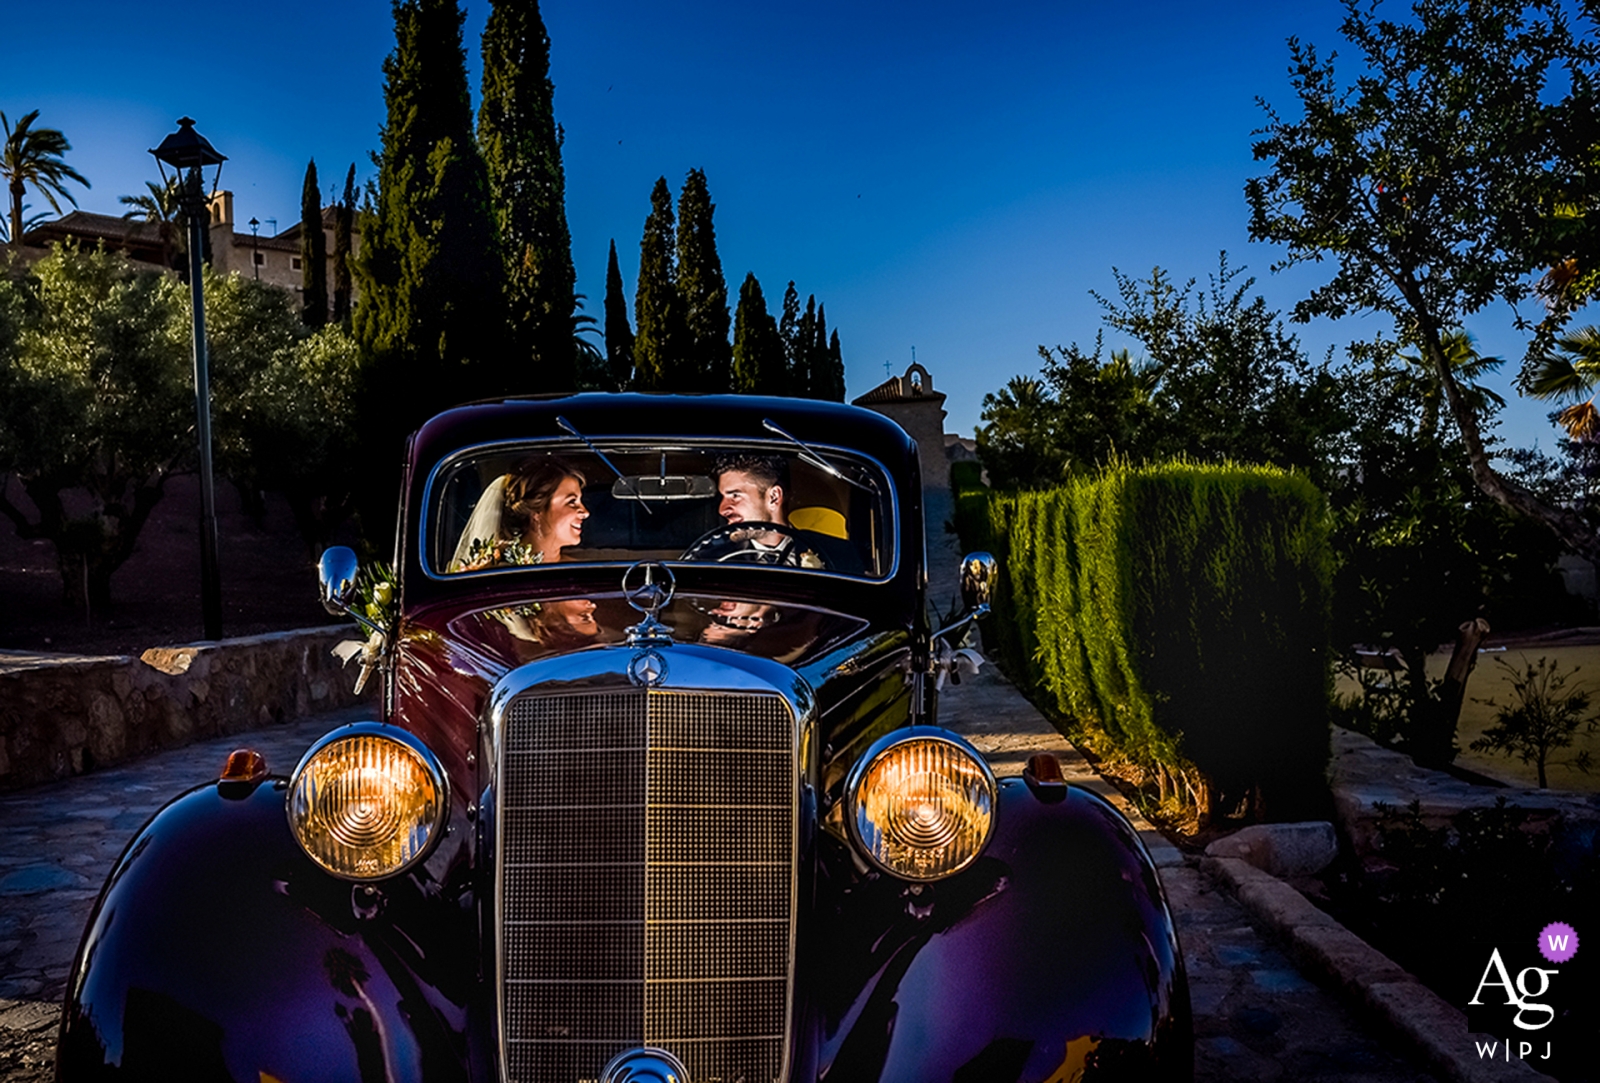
<point>531,484</point>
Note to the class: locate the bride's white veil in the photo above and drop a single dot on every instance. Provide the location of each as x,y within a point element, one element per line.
<point>484,525</point>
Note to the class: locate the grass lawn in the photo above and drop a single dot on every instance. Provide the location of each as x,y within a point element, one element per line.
<point>1490,680</point>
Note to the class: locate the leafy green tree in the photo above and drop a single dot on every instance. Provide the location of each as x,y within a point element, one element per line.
<point>162,207</point>
<point>300,427</point>
<point>619,334</point>
<point>1457,166</point>
<point>32,156</point>
<point>1020,437</point>
<point>1544,720</point>
<point>759,365</point>
<point>703,289</point>
<point>344,217</point>
<point>93,395</point>
<point>521,144</point>
<point>660,348</point>
<point>313,252</point>
<point>1091,411</point>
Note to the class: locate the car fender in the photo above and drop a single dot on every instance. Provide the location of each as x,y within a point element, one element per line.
<point>1053,954</point>
<point>218,950</point>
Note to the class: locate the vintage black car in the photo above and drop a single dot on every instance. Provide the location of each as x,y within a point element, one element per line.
<point>658,793</point>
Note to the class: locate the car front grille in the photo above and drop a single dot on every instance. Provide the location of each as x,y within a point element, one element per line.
<point>646,848</point>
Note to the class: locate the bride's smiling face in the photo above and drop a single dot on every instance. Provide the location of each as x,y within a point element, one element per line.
<point>563,524</point>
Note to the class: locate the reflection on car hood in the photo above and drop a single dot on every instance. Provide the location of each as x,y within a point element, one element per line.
<point>784,632</point>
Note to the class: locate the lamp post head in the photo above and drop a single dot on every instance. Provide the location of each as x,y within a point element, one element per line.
<point>187,148</point>
<point>254,225</point>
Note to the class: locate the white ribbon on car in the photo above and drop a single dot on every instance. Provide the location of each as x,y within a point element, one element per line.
<point>950,664</point>
<point>371,652</point>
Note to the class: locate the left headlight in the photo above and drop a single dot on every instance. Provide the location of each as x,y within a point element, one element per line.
<point>921,803</point>
<point>368,801</point>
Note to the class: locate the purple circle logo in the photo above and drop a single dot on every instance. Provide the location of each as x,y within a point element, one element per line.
<point>1558,942</point>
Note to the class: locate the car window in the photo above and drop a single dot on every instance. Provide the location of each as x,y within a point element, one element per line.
<point>509,507</point>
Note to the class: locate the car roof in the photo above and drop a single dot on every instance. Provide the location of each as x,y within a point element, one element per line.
<point>732,417</point>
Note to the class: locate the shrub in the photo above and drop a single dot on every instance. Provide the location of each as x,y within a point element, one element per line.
<point>1176,615</point>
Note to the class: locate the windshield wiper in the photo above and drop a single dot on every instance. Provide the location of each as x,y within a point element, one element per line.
<point>627,484</point>
<point>816,460</point>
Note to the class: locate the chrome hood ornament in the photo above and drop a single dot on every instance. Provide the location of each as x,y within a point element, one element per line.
<point>648,587</point>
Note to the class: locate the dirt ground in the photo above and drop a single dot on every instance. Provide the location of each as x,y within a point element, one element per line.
<point>268,581</point>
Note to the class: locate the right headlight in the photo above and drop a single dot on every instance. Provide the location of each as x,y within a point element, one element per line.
<point>921,803</point>
<point>368,801</point>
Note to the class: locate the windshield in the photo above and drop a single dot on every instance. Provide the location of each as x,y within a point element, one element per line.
<point>816,509</point>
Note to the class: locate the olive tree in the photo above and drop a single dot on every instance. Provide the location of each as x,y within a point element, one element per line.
<point>95,407</point>
<point>1456,170</point>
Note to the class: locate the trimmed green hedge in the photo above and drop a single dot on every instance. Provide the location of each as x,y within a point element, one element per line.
<point>1176,614</point>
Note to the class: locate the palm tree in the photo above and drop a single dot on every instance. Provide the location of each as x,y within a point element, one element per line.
<point>33,156</point>
<point>1573,370</point>
<point>1467,365</point>
<point>27,223</point>
<point>164,208</point>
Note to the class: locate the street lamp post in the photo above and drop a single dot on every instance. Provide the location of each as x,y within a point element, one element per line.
<point>188,152</point>
<point>255,252</point>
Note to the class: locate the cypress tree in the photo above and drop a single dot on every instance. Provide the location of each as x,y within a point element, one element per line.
<point>803,365</point>
<point>832,385</point>
<point>343,220</point>
<point>659,346</point>
<point>703,288</point>
<point>619,335</point>
<point>789,333</point>
<point>313,252</point>
<point>429,316</point>
<point>759,366</point>
<point>521,145</point>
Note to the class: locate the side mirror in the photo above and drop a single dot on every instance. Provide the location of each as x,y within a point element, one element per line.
<point>336,578</point>
<point>978,574</point>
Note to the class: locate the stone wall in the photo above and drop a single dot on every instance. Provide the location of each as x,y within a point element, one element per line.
<point>65,717</point>
<point>1364,775</point>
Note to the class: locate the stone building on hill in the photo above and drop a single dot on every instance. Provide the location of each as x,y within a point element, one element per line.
<point>911,402</point>
<point>235,247</point>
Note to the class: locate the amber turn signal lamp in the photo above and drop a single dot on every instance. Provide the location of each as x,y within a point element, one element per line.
<point>1044,777</point>
<point>244,765</point>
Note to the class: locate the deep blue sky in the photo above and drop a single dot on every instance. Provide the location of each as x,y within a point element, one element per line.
<point>940,178</point>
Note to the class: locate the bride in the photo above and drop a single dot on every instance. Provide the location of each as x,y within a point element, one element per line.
<point>525,517</point>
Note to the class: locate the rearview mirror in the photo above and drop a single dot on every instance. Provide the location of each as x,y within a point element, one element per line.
<point>655,487</point>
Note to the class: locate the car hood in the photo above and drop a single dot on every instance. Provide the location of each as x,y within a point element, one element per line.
<point>515,634</point>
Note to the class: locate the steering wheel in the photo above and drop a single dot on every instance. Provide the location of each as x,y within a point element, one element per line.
<point>732,543</point>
